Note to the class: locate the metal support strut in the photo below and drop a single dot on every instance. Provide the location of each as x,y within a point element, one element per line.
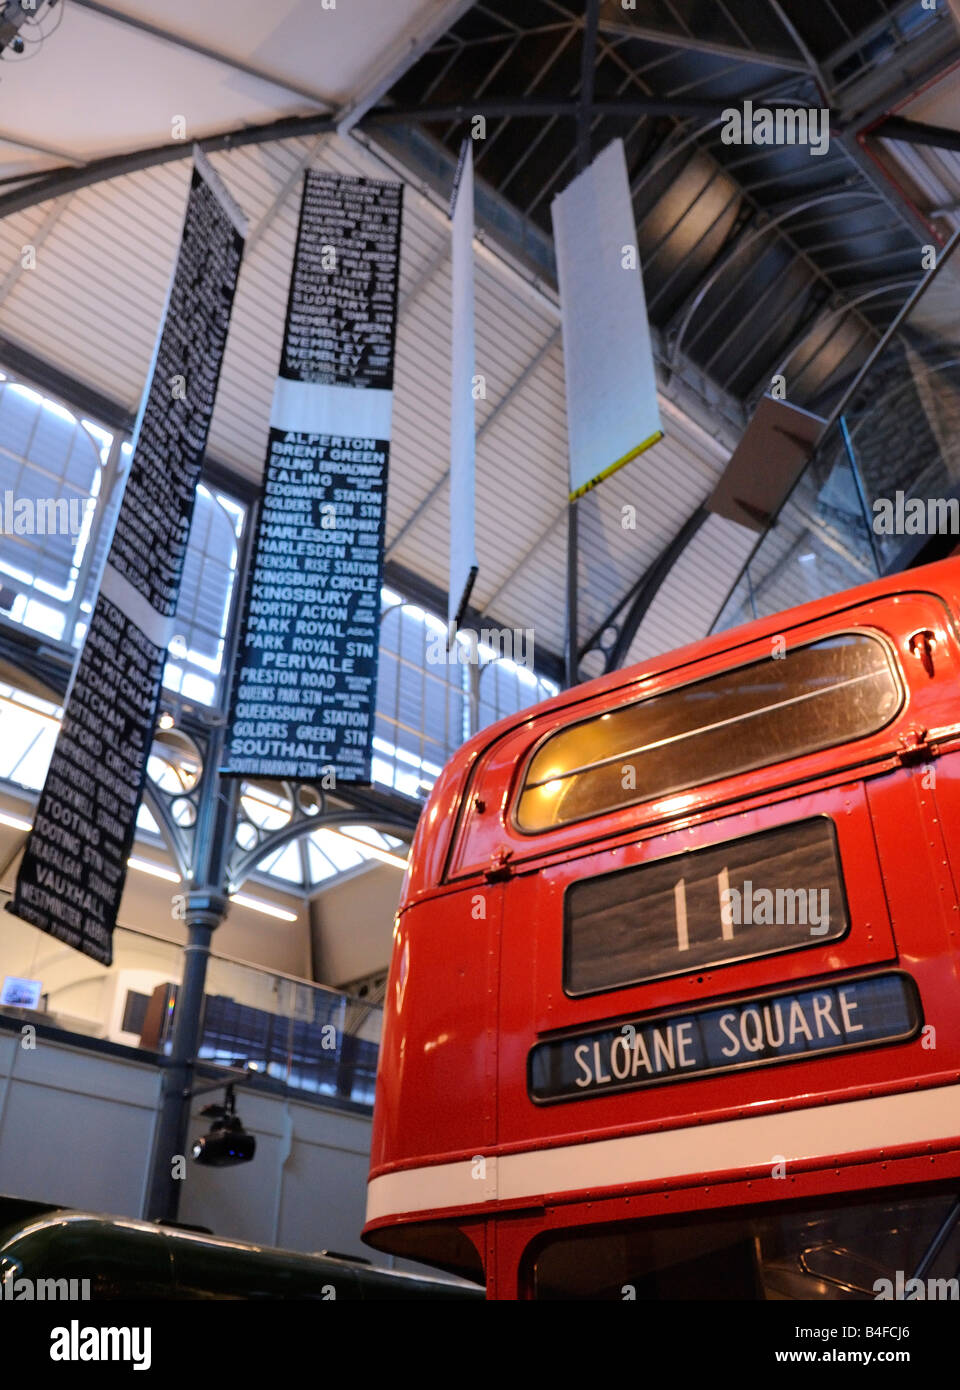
<point>204,912</point>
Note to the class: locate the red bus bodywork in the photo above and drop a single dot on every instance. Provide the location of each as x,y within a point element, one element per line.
<point>467,1171</point>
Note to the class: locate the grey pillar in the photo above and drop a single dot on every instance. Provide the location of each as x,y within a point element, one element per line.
<point>205,909</point>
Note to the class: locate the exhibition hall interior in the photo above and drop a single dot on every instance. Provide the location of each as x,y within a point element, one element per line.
<point>479,649</point>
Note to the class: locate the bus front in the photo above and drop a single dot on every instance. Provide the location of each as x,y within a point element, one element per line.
<point>674,1011</point>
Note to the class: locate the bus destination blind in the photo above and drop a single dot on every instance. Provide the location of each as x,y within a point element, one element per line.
<point>75,862</point>
<point>304,692</point>
<point>787,1026</point>
<point>705,907</point>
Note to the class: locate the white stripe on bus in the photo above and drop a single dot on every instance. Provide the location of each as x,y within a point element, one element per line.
<point>823,1131</point>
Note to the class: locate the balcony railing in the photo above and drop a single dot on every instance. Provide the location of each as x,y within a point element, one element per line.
<point>306,1036</point>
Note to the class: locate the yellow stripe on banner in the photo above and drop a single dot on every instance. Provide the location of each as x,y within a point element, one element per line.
<point>641,448</point>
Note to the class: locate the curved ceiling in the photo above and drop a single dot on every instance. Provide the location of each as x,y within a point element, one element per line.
<point>755,260</point>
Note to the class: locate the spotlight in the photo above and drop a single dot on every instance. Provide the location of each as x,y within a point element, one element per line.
<point>15,14</point>
<point>227,1142</point>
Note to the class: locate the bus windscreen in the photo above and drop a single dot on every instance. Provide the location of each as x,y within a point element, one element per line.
<point>810,698</point>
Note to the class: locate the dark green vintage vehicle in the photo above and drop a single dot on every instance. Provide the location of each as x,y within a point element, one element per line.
<point>42,1246</point>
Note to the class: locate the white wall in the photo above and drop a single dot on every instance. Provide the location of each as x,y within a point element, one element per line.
<point>306,1187</point>
<point>77,1128</point>
<point>82,994</point>
<point>367,900</point>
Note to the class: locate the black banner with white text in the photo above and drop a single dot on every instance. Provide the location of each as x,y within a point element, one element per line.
<point>74,865</point>
<point>304,693</point>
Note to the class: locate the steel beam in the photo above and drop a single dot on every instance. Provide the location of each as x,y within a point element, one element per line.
<point>863,37</point>
<point>45,150</point>
<point>848,138</point>
<point>460,45</point>
<point>623,28</point>
<point>814,292</point>
<point>517,164</point>
<point>533,106</point>
<point>849,391</point>
<point>918,63</point>
<point>638,599</point>
<point>68,180</point>
<point>756,233</point>
<point>811,66</point>
<point>54,213</point>
<point>406,49</point>
<point>427,276</point>
<point>917,133</point>
<point>290,183</point>
<point>912,219</point>
<point>902,314</point>
<point>820,320</point>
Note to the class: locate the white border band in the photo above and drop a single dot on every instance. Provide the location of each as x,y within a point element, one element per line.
<point>120,592</point>
<point>312,408</point>
<point>823,1131</point>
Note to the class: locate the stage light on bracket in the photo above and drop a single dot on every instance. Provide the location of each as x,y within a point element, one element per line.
<point>227,1143</point>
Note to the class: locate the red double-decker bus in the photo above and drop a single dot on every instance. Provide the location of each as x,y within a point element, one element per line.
<point>674,1008</point>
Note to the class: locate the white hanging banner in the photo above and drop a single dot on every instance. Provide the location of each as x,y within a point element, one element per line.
<point>611,384</point>
<point>463,552</point>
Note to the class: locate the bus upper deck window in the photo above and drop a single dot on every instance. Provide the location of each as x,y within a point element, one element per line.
<point>811,698</point>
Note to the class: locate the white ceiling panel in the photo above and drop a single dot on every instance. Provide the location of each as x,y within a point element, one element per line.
<point>111,77</point>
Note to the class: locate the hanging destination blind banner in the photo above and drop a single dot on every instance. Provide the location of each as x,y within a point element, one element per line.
<point>75,862</point>
<point>305,681</point>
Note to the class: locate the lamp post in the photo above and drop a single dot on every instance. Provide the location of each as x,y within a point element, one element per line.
<point>200,821</point>
<point>212,866</point>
